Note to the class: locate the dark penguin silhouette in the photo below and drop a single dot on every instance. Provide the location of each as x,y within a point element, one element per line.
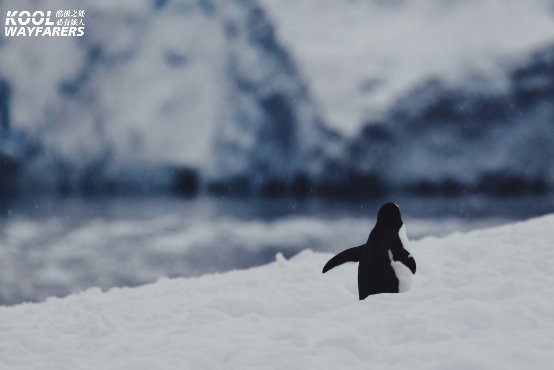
<point>376,273</point>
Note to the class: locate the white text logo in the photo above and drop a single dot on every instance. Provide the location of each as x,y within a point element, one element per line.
<point>24,23</point>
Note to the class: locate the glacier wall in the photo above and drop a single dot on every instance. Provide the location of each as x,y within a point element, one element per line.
<point>333,97</point>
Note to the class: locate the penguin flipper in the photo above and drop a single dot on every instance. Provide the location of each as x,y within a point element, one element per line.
<point>410,263</point>
<point>402,255</point>
<point>349,255</point>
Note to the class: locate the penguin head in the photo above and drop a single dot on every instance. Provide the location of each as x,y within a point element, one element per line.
<point>389,216</point>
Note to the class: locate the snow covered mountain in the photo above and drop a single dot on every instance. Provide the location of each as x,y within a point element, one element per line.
<point>284,96</point>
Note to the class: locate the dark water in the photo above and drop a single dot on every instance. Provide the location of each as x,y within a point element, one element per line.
<point>79,208</point>
<point>57,246</point>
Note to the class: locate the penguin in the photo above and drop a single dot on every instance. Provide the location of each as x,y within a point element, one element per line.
<point>383,259</point>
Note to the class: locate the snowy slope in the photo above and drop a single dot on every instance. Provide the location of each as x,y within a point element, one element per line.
<point>482,300</point>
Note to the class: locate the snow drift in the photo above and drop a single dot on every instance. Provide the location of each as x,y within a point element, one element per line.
<point>479,300</point>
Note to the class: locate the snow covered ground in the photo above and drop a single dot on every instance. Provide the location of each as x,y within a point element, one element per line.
<point>481,300</point>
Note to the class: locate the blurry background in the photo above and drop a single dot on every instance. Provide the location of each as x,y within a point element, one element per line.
<point>181,137</point>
